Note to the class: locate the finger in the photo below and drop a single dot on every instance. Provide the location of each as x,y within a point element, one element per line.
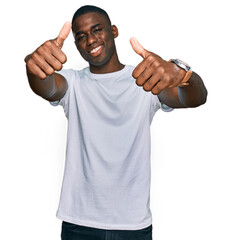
<point>159,87</point>
<point>165,82</point>
<point>139,69</point>
<point>144,76</point>
<point>58,54</point>
<point>64,32</point>
<point>35,70</point>
<point>27,58</point>
<point>148,62</point>
<point>50,48</point>
<point>38,72</point>
<point>152,81</point>
<point>41,62</point>
<point>138,48</point>
<point>53,62</point>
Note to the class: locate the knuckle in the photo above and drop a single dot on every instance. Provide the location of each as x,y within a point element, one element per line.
<point>55,63</point>
<point>167,79</point>
<point>42,76</point>
<point>155,91</point>
<point>149,84</point>
<point>48,43</point>
<point>40,50</point>
<point>45,47</point>
<point>35,56</point>
<point>30,63</point>
<point>134,74</point>
<point>145,88</point>
<point>139,82</point>
<point>49,70</point>
<point>31,66</point>
<point>63,58</point>
<point>161,70</point>
<point>45,66</point>
<point>156,65</point>
<point>150,58</point>
<point>59,66</point>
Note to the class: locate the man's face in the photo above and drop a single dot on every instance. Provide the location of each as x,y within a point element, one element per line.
<point>94,38</point>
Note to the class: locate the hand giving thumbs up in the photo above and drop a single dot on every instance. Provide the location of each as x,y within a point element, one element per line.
<point>154,73</point>
<point>49,57</point>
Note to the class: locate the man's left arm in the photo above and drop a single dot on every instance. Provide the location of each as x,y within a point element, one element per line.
<point>192,95</point>
<point>165,79</point>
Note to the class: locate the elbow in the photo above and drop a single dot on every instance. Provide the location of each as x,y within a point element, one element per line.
<point>204,95</point>
<point>200,100</point>
<point>193,99</point>
<point>204,98</point>
<point>199,93</point>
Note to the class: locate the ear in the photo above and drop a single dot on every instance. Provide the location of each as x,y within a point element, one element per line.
<point>114,31</point>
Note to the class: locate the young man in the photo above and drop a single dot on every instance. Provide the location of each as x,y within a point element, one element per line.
<point>106,185</point>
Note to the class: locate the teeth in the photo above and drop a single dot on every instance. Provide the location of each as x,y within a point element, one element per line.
<point>95,49</point>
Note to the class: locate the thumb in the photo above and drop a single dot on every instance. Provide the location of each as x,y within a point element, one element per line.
<point>64,32</point>
<point>138,48</point>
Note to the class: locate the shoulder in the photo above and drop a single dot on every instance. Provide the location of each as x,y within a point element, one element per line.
<point>72,75</point>
<point>67,73</point>
<point>130,68</point>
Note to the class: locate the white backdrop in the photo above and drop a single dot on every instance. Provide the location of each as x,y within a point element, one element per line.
<point>191,192</point>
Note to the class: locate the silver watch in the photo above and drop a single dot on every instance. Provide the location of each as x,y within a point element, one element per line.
<point>181,64</point>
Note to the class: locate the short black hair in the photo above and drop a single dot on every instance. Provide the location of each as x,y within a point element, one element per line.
<point>87,9</point>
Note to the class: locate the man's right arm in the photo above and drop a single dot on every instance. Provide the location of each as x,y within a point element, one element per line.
<point>42,64</point>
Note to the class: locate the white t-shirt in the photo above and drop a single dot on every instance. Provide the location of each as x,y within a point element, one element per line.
<point>106,181</point>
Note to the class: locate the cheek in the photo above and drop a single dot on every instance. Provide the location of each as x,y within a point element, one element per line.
<point>80,49</point>
<point>84,55</point>
<point>111,46</point>
<point>78,46</point>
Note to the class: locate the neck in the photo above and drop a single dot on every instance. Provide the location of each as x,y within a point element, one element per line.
<point>111,66</point>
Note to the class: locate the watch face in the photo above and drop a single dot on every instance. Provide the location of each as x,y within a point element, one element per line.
<point>181,64</point>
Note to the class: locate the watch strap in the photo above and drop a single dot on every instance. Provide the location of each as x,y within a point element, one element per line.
<point>184,82</point>
<point>187,68</point>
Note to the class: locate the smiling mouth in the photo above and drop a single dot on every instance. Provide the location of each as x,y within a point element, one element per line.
<point>96,51</point>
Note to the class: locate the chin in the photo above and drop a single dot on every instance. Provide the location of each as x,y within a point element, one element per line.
<point>100,61</point>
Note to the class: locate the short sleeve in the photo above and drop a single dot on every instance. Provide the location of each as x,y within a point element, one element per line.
<point>166,108</point>
<point>156,105</point>
<point>64,102</point>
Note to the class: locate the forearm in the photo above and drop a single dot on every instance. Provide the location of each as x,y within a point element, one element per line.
<point>42,64</point>
<point>45,88</point>
<point>51,87</point>
<point>194,94</point>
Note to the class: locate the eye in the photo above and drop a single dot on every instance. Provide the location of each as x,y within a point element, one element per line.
<point>80,38</point>
<point>97,30</point>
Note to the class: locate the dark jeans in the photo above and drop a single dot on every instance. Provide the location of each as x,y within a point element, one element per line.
<point>77,232</point>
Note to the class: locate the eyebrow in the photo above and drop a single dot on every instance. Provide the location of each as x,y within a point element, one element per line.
<point>94,26</point>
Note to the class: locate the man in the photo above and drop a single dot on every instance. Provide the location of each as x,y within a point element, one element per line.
<point>106,185</point>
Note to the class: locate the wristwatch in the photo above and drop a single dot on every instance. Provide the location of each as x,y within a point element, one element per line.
<point>184,66</point>
<point>181,64</point>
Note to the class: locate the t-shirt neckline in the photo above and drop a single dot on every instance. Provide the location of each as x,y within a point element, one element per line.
<point>116,74</point>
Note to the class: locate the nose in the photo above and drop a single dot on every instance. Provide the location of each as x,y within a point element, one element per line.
<point>91,39</point>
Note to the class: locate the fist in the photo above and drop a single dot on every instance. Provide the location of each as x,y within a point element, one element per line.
<point>154,73</point>
<point>48,58</point>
